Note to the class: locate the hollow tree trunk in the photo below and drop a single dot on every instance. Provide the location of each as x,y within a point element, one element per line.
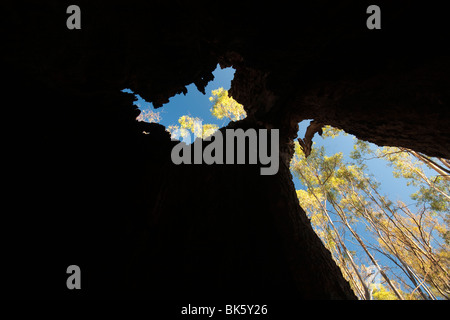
<point>225,230</point>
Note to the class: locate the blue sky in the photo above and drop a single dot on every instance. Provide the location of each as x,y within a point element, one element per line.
<point>196,104</point>
<point>394,187</point>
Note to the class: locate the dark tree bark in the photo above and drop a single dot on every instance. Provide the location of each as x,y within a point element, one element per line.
<point>86,187</point>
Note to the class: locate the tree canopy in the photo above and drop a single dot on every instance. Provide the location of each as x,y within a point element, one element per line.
<point>346,207</point>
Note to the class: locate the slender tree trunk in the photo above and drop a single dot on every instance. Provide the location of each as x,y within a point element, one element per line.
<point>367,295</point>
<point>445,162</point>
<point>362,244</point>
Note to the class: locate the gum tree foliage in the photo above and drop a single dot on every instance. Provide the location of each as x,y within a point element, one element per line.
<point>149,116</point>
<point>223,106</point>
<point>347,209</point>
<point>194,125</point>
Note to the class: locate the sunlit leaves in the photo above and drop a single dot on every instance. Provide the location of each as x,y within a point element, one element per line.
<point>208,130</point>
<point>432,190</point>
<point>380,292</point>
<point>225,106</point>
<point>149,116</point>
<point>192,125</point>
<point>331,132</point>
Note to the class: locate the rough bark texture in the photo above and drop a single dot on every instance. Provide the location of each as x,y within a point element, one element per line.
<point>86,187</point>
